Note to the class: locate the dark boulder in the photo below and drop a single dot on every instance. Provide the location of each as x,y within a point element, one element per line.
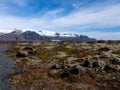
<point>21,54</point>
<point>95,64</point>
<point>111,68</point>
<point>50,63</point>
<point>77,70</point>
<point>65,74</point>
<point>104,49</point>
<point>87,63</point>
<point>115,61</point>
<point>56,66</point>
<point>30,50</point>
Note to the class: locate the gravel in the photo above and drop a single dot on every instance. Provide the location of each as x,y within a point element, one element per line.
<point>6,66</point>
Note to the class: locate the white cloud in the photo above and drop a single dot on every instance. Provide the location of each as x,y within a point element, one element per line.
<point>79,3</point>
<point>100,17</point>
<point>75,5</point>
<point>104,35</point>
<point>108,16</point>
<point>19,2</point>
<point>53,13</point>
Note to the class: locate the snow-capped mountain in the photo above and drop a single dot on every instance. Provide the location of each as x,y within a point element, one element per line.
<point>17,32</point>
<point>45,35</point>
<point>51,33</point>
<point>1,33</point>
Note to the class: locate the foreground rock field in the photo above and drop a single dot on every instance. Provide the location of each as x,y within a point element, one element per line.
<point>66,65</point>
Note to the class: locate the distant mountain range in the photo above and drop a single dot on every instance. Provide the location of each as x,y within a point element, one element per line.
<point>32,35</point>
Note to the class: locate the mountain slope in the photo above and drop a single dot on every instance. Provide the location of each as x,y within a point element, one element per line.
<point>33,36</point>
<point>22,36</point>
<point>13,36</point>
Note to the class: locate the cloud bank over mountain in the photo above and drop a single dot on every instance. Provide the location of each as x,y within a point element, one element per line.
<point>101,17</point>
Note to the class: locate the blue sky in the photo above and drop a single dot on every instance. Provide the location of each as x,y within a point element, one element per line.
<point>95,18</point>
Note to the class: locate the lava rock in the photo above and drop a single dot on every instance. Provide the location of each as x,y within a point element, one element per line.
<point>55,66</point>
<point>50,63</point>
<point>104,49</point>
<point>95,64</point>
<point>77,70</point>
<point>111,68</point>
<point>115,61</point>
<point>87,63</point>
<point>65,74</point>
<point>31,50</point>
<point>22,54</point>
<point>99,63</point>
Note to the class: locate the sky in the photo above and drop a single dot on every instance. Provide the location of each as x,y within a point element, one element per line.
<point>96,18</point>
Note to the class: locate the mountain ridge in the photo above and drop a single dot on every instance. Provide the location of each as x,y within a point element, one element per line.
<point>32,35</point>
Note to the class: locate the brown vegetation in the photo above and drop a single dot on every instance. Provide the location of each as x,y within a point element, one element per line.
<point>66,65</point>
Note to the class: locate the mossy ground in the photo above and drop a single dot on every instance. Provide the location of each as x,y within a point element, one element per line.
<point>38,77</point>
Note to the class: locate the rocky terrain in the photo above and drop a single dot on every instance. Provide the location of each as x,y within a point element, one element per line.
<point>66,65</point>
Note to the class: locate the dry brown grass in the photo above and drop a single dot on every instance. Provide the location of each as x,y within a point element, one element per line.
<point>42,78</point>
